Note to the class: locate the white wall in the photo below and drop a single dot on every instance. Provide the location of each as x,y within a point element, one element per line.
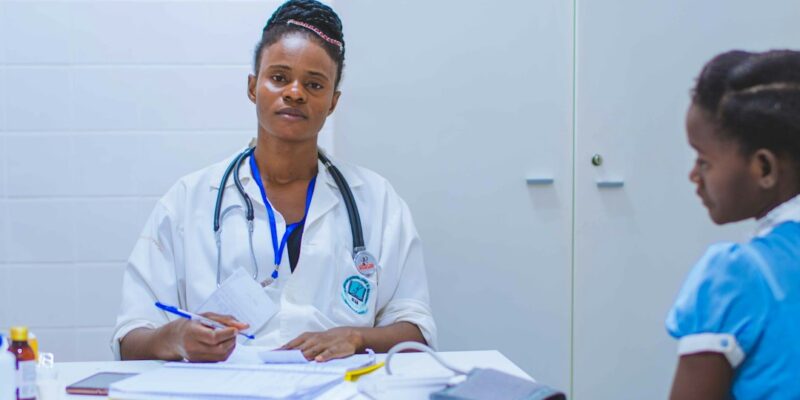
<point>103,106</point>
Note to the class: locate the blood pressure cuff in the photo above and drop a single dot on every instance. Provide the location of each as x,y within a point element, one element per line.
<point>491,384</point>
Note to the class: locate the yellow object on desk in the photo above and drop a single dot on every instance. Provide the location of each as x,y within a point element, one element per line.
<point>353,375</point>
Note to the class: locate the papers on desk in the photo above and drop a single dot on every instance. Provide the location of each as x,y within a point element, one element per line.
<point>282,357</point>
<point>293,360</point>
<point>224,381</point>
<point>245,375</point>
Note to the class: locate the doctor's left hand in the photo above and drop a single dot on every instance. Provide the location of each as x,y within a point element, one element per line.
<point>323,346</point>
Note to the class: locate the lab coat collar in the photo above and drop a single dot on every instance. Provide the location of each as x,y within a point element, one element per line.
<point>788,211</point>
<point>325,198</point>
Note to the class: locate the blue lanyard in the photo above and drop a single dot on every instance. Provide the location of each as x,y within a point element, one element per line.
<point>278,250</point>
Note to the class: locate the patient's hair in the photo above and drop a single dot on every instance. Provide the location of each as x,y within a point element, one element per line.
<point>305,15</point>
<point>754,98</point>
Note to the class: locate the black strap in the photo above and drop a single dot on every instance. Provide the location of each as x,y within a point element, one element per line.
<point>293,245</point>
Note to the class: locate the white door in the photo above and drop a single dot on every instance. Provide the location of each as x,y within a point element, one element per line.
<point>636,238</point>
<point>457,103</point>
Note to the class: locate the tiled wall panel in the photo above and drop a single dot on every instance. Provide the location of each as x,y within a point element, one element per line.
<point>104,105</point>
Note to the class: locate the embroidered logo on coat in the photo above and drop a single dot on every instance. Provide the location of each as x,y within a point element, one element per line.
<point>355,293</point>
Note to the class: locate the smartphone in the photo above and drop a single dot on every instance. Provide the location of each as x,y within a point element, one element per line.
<point>97,384</point>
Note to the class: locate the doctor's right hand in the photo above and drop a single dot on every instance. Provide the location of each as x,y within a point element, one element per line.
<point>196,342</point>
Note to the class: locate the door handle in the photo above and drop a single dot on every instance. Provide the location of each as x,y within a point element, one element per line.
<point>539,181</point>
<point>610,184</point>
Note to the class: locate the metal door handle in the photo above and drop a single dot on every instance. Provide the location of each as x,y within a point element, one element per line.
<point>539,181</point>
<point>610,184</point>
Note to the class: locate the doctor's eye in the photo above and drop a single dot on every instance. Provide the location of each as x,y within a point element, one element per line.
<point>278,78</point>
<point>701,164</point>
<point>314,86</point>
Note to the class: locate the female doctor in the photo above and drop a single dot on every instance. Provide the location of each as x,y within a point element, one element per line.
<point>302,248</point>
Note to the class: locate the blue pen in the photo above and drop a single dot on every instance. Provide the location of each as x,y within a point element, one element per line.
<point>199,318</point>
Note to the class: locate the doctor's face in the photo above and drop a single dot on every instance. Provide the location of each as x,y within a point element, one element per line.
<point>725,182</point>
<point>294,89</point>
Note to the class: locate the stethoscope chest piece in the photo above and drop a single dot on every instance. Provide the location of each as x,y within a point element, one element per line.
<point>366,264</point>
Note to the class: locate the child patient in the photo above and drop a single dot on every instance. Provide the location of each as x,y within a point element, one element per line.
<point>737,316</point>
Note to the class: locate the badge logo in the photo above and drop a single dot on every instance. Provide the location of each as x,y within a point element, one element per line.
<point>365,263</point>
<point>355,293</point>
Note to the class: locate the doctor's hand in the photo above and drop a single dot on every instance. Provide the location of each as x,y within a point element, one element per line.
<point>196,342</point>
<point>323,346</point>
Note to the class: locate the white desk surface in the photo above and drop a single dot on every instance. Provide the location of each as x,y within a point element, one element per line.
<point>405,363</point>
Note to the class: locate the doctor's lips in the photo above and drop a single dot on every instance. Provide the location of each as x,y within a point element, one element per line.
<point>292,113</point>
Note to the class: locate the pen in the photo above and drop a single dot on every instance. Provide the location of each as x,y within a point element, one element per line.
<point>199,318</point>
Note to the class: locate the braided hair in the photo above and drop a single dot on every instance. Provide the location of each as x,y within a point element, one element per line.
<point>754,98</point>
<point>311,18</point>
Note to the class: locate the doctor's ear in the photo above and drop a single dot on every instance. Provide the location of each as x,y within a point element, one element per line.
<point>765,165</point>
<point>251,87</point>
<point>334,101</point>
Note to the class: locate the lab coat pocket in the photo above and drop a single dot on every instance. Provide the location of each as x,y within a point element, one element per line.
<point>355,295</point>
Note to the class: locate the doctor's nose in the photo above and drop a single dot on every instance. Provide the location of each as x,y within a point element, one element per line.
<point>294,93</point>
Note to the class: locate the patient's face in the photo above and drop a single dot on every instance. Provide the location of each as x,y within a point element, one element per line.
<point>725,182</point>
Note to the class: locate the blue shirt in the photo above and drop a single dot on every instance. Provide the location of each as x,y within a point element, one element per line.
<point>752,292</point>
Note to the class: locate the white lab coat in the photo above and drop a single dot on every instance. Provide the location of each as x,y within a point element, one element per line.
<point>174,261</point>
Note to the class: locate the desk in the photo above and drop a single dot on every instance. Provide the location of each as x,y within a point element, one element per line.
<point>406,363</point>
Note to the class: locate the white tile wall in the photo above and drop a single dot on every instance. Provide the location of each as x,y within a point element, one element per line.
<point>106,164</point>
<point>106,228</point>
<point>3,88</point>
<point>3,239</point>
<point>3,33</point>
<point>40,165</point>
<point>38,98</point>
<point>103,106</point>
<point>41,230</point>
<point>170,158</point>
<point>40,32</point>
<point>93,344</point>
<point>106,98</point>
<point>100,303</point>
<point>41,295</point>
<point>3,179</point>
<point>60,341</point>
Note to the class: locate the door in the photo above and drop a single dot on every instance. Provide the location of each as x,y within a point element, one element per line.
<point>466,107</point>
<point>639,227</point>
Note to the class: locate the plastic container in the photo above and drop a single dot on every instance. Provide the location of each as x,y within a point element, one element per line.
<point>8,372</point>
<point>47,378</point>
<point>26,363</point>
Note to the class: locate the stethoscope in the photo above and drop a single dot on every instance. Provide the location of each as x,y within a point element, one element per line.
<point>364,261</point>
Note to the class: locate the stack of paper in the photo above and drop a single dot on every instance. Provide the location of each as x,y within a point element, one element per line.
<point>293,360</point>
<point>224,381</point>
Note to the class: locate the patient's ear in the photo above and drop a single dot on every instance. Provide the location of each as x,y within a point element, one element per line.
<point>765,167</point>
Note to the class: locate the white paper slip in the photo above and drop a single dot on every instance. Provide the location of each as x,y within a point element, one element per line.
<point>337,366</point>
<point>283,357</point>
<point>222,381</point>
<point>246,354</point>
<point>243,298</point>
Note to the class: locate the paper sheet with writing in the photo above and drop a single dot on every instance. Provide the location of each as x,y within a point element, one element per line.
<point>242,297</point>
<point>283,357</point>
<point>218,381</point>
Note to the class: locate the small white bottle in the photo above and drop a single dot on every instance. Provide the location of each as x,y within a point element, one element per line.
<point>8,372</point>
